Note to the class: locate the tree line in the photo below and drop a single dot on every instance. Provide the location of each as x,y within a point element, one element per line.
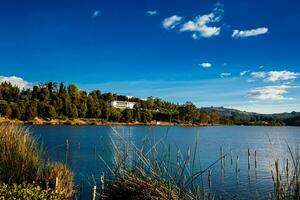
<point>56,100</point>
<point>59,101</point>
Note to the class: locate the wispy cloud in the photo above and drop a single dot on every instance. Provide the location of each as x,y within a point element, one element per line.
<point>258,74</point>
<point>249,33</point>
<point>225,74</point>
<point>171,22</point>
<point>273,76</point>
<point>243,73</point>
<point>201,92</point>
<point>205,65</point>
<point>177,91</point>
<point>200,25</point>
<point>273,93</point>
<point>151,12</point>
<point>16,81</point>
<point>96,13</point>
<point>261,66</point>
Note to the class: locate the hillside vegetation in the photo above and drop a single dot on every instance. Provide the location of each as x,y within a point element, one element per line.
<point>58,101</point>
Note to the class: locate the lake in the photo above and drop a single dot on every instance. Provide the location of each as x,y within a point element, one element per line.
<point>88,142</point>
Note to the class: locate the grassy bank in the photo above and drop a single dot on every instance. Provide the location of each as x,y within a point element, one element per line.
<point>86,121</point>
<point>25,169</point>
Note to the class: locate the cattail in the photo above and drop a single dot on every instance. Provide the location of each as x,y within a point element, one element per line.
<point>277,172</point>
<point>209,178</point>
<point>178,156</point>
<point>24,139</point>
<point>237,165</point>
<point>102,185</point>
<point>255,162</point>
<point>56,184</point>
<point>287,168</point>
<point>248,159</point>
<point>188,154</point>
<point>94,192</point>
<point>67,145</point>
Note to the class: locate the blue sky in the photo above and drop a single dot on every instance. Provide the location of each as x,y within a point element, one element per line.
<point>238,54</point>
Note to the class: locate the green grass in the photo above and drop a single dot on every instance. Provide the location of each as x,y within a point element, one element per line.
<point>27,192</point>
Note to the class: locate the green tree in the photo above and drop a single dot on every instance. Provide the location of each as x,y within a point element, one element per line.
<point>189,112</point>
<point>115,114</point>
<point>215,118</point>
<point>128,115</point>
<point>82,105</point>
<point>46,111</point>
<point>146,116</point>
<point>106,112</point>
<point>92,108</point>
<point>44,94</point>
<point>73,113</point>
<point>31,110</point>
<point>7,110</point>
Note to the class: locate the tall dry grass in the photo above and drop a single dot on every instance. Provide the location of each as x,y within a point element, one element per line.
<point>57,172</point>
<point>23,161</point>
<point>20,157</point>
<point>286,176</point>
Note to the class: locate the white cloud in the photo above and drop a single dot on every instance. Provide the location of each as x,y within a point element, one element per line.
<point>273,93</point>
<point>260,67</point>
<point>249,33</point>
<point>205,65</point>
<point>16,81</point>
<point>258,74</point>
<point>151,12</point>
<point>225,74</point>
<point>273,76</point>
<point>281,76</point>
<point>200,25</point>
<point>171,22</point>
<point>96,13</point>
<point>243,73</point>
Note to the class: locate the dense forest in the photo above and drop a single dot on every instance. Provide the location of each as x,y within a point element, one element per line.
<point>58,101</point>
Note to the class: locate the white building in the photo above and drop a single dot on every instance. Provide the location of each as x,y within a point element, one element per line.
<point>122,104</point>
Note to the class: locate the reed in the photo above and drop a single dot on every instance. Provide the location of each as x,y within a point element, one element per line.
<point>286,177</point>
<point>59,177</point>
<point>153,174</point>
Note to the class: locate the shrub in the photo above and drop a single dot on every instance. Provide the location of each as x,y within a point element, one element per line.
<point>27,192</point>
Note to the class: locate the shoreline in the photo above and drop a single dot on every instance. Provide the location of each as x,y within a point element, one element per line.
<point>95,122</point>
<point>100,122</point>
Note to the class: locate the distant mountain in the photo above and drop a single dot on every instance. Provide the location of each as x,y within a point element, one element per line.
<point>230,112</point>
<point>226,111</point>
<point>292,118</point>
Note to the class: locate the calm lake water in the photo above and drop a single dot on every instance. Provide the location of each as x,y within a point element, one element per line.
<point>88,142</point>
